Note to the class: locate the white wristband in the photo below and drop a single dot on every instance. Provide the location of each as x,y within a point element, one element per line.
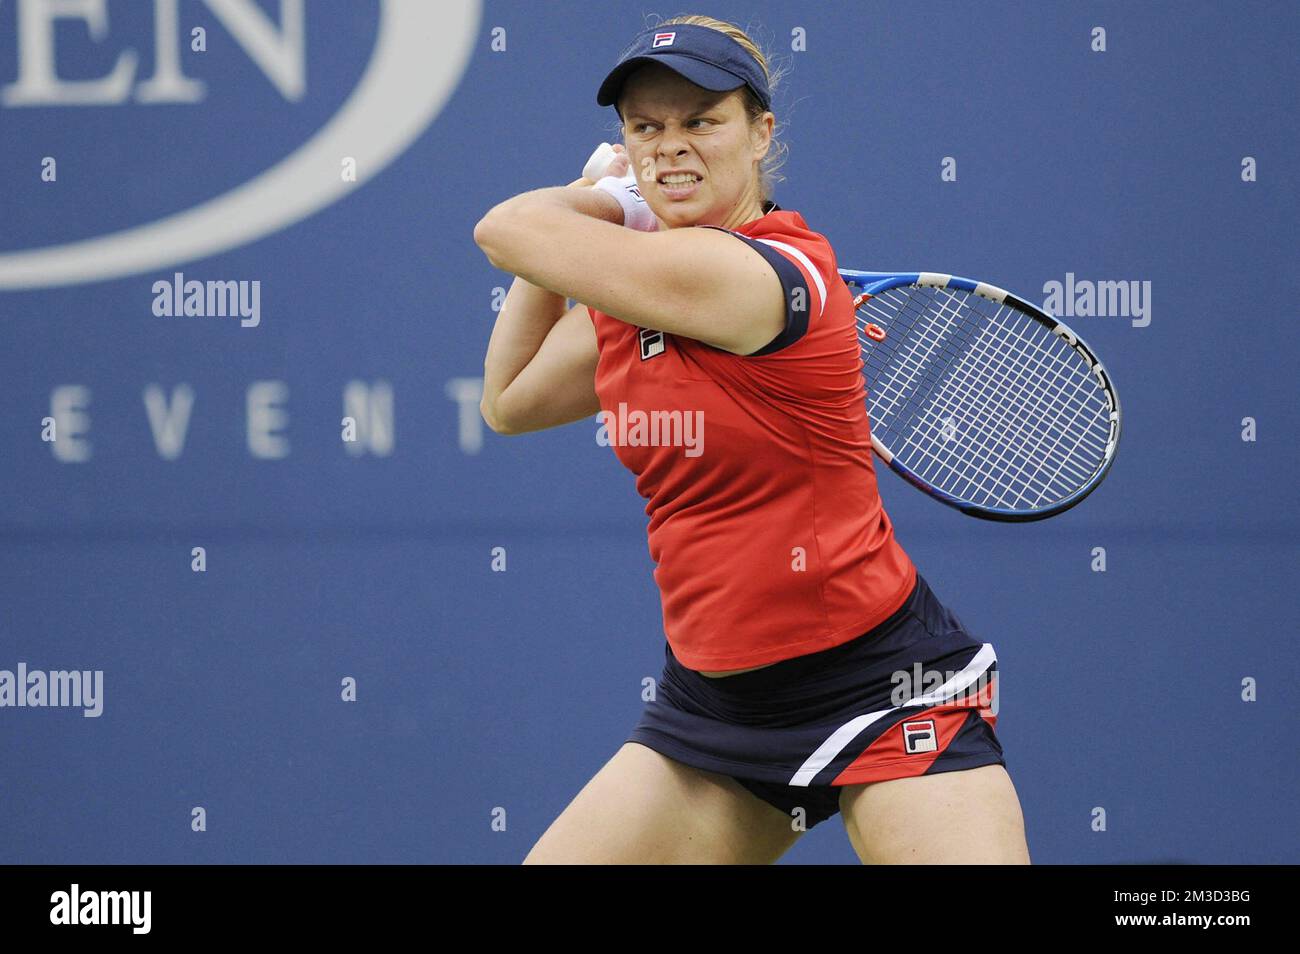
<point>637,213</point>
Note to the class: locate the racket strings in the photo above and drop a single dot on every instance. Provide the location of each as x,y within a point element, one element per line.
<point>1016,450</point>
<point>981,400</point>
<point>1008,449</point>
<point>941,416</point>
<point>1075,386</point>
<point>993,421</point>
<point>903,362</point>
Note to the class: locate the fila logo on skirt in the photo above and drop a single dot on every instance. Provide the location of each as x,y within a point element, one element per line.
<point>919,737</point>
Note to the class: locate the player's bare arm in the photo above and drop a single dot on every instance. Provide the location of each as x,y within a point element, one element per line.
<point>698,283</point>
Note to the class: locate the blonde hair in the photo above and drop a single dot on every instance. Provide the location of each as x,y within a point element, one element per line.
<point>777,152</point>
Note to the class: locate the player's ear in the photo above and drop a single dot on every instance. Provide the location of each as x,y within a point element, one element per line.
<point>760,134</point>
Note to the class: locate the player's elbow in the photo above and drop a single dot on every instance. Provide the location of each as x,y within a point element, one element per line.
<point>493,418</point>
<point>490,418</point>
<point>485,232</point>
<point>492,234</point>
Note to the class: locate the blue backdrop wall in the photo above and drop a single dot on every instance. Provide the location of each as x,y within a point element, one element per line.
<point>1152,144</point>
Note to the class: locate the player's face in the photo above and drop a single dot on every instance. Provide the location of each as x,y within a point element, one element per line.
<point>671,124</point>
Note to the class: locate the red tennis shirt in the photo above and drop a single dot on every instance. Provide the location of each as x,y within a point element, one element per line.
<point>768,534</point>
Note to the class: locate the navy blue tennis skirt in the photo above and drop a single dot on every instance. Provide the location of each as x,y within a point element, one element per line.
<point>916,695</point>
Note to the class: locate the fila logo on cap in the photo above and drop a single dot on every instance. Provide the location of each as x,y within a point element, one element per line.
<point>919,737</point>
<point>663,39</point>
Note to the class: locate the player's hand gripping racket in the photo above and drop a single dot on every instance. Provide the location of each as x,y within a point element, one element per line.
<point>981,399</point>
<point>599,162</point>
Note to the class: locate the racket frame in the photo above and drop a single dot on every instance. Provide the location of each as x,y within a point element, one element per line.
<point>871,284</point>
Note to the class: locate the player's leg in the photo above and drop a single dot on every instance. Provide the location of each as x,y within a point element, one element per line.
<point>645,808</point>
<point>969,816</point>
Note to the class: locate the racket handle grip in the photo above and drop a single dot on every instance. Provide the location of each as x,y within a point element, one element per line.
<point>595,168</point>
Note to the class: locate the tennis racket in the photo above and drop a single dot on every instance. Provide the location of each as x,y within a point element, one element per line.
<point>980,398</point>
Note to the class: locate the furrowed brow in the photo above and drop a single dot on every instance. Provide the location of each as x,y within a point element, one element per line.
<point>699,106</point>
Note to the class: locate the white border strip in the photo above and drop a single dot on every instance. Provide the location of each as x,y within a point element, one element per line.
<point>812,270</point>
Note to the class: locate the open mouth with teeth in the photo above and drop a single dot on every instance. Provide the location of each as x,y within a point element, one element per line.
<point>679,185</point>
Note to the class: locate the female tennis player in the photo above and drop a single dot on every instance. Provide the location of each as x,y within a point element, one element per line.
<point>809,668</point>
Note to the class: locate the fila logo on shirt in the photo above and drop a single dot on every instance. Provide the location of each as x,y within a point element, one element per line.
<point>919,737</point>
<point>652,343</point>
<point>663,39</point>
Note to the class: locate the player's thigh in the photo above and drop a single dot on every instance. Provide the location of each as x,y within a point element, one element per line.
<point>645,808</point>
<point>970,816</point>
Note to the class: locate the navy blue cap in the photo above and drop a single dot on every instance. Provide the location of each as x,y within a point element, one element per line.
<point>705,56</point>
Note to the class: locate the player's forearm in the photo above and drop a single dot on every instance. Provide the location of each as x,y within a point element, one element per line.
<point>516,228</point>
<point>526,318</point>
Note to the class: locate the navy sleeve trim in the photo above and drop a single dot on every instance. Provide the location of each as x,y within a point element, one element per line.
<point>796,319</point>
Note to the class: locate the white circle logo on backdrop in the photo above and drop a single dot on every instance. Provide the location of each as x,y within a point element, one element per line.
<point>422,49</point>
